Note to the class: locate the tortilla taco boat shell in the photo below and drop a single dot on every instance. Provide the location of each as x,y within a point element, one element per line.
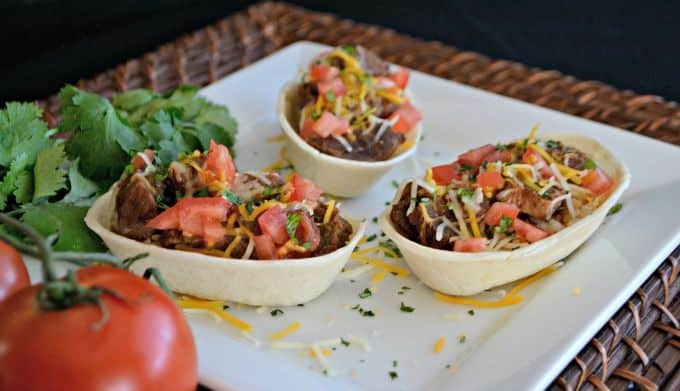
<point>337,176</point>
<point>465,274</point>
<point>254,282</point>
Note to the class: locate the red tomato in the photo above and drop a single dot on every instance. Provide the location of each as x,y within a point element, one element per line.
<point>329,124</point>
<point>13,273</point>
<point>307,231</point>
<point>475,157</point>
<point>528,231</point>
<point>498,210</point>
<point>307,130</point>
<point>264,247</point>
<point>532,157</point>
<point>409,117</point>
<point>220,163</point>
<point>146,343</point>
<point>498,156</point>
<point>444,174</point>
<point>139,163</point>
<point>196,217</point>
<point>273,223</point>
<point>400,78</point>
<point>334,85</point>
<point>597,181</point>
<point>323,72</point>
<point>472,245</point>
<point>490,180</point>
<point>303,189</point>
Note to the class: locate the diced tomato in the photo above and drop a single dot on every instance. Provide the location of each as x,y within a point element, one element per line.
<point>409,117</point>
<point>307,130</point>
<point>329,124</point>
<point>498,210</point>
<point>168,219</point>
<point>199,217</point>
<point>597,181</point>
<point>444,174</point>
<point>528,231</point>
<point>334,85</point>
<point>498,156</point>
<point>264,247</point>
<point>303,189</point>
<point>475,157</point>
<point>532,157</point>
<point>490,180</point>
<point>220,163</point>
<point>323,72</point>
<point>138,161</point>
<point>400,77</point>
<point>307,232</point>
<point>471,245</point>
<point>273,223</point>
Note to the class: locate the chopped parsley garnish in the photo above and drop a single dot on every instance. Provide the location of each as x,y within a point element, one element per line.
<point>371,238</point>
<point>615,209</point>
<point>390,245</point>
<point>306,245</point>
<point>129,169</point>
<point>501,147</point>
<point>267,191</point>
<point>366,293</point>
<point>367,313</point>
<point>504,225</point>
<point>404,308</point>
<point>178,195</point>
<point>405,288</point>
<point>330,96</point>
<point>315,115</point>
<point>388,202</point>
<point>589,164</point>
<point>349,49</point>
<point>551,144</point>
<point>356,307</point>
<point>231,197</point>
<point>393,375</point>
<point>525,143</point>
<point>394,363</point>
<point>461,339</point>
<point>343,342</point>
<point>250,207</point>
<point>225,307</point>
<point>471,312</point>
<point>202,193</point>
<point>395,184</point>
<point>466,167</point>
<point>425,201</point>
<point>276,312</point>
<point>356,248</point>
<point>292,222</point>
<point>465,193</point>
<point>374,220</point>
<point>300,305</point>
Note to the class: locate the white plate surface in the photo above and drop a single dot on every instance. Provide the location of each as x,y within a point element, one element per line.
<point>522,347</point>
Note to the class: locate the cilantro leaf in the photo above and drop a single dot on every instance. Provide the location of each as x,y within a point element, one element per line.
<point>102,141</point>
<point>13,177</point>
<point>292,222</point>
<point>67,222</point>
<point>589,164</point>
<point>504,225</point>
<point>48,174</point>
<point>22,130</point>
<point>82,189</point>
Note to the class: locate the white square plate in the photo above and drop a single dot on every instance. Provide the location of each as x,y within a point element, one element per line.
<point>521,347</point>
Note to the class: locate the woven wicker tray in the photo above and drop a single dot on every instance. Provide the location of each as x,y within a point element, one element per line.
<point>640,345</point>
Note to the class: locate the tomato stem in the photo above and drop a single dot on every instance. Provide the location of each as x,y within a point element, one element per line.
<point>44,251</point>
<point>156,274</point>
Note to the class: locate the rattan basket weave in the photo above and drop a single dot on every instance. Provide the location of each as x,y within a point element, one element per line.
<point>640,345</point>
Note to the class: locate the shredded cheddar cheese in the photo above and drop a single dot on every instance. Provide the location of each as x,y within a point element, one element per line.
<point>439,345</point>
<point>325,352</point>
<point>401,272</point>
<point>277,165</point>
<point>529,280</point>
<point>285,332</point>
<point>329,211</point>
<point>404,146</point>
<point>473,222</point>
<point>257,211</point>
<point>276,139</point>
<point>390,96</point>
<point>377,278</point>
<point>215,307</point>
<point>374,249</point>
<point>545,155</point>
<point>532,132</point>
<point>505,302</point>
<point>232,246</point>
<point>232,219</point>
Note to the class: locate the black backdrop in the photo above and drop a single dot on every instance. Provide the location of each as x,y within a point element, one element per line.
<point>632,45</point>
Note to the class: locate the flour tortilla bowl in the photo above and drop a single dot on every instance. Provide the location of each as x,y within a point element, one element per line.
<point>466,274</point>
<point>337,176</point>
<point>253,282</point>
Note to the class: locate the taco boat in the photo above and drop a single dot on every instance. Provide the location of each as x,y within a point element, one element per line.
<point>502,212</point>
<point>215,233</point>
<point>351,112</point>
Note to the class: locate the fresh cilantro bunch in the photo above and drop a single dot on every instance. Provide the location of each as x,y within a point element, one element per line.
<point>105,135</point>
<point>39,183</point>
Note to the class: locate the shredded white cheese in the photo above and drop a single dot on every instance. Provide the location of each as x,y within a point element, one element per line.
<point>556,172</point>
<point>322,360</point>
<point>359,342</point>
<point>249,249</point>
<point>250,338</point>
<point>356,272</point>
<point>439,234</point>
<point>345,144</point>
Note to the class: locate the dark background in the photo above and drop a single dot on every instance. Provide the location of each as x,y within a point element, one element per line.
<point>632,45</point>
